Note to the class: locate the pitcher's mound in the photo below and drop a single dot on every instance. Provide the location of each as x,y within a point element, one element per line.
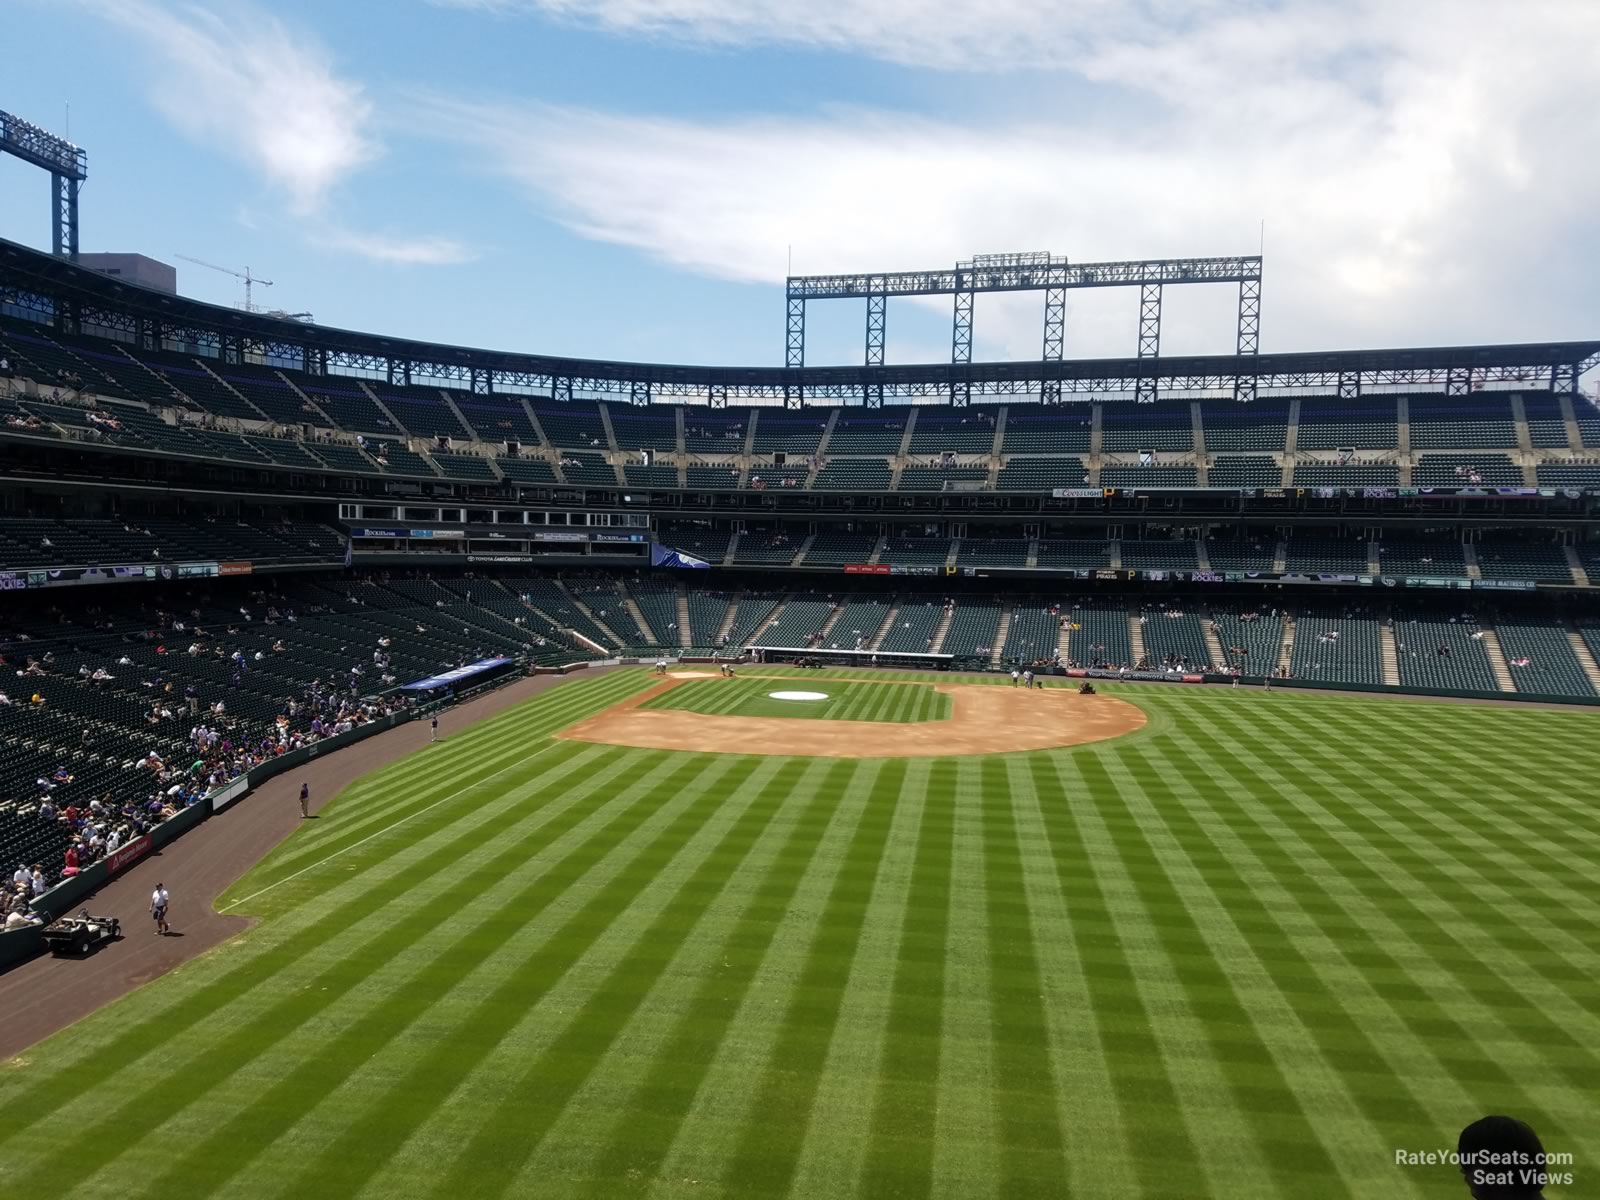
<point>984,719</point>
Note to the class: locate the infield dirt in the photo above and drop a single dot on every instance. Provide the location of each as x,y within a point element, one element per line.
<point>984,719</point>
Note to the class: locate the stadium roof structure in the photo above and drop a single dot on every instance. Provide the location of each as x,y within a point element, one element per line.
<point>76,299</point>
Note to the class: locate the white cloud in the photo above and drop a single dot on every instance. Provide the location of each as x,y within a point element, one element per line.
<point>241,81</point>
<point>397,249</point>
<point>1420,167</point>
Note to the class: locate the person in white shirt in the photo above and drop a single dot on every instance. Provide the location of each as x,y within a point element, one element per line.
<point>158,909</point>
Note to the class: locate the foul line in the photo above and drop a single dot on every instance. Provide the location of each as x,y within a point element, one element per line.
<point>395,825</point>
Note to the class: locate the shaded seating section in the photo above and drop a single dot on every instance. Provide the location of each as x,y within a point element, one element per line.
<point>421,410</point>
<point>644,428</point>
<point>35,355</point>
<point>1032,636</point>
<point>1333,643</point>
<point>1589,559</point>
<point>836,548</point>
<point>400,460</point>
<point>1438,555</point>
<point>1552,667</point>
<point>1251,638</point>
<point>1260,426</point>
<point>89,542</point>
<point>915,626</point>
<point>1327,554</point>
<point>714,431</point>
<point>526,470</point>
<point>575,425</point>
<point>1148,477</point>
<point>853,475</point>
<point>702,541</point>
<point>341,457</point>
<point>1064,430</point>
<point>497,418</point>
<point>1101,638</point>
<point>717,479</point>
<point>1523,556</point>
<point>750,613</point>
<point>1161,426</point>
<point>1547,428</point>
<point>707,611</point>
<point>1347,424</point>
<point>1347,475</point>
<point>791,434</point>
<point>1174,637</point>
<point>1448,423</point>
<point>194,380</point>
<point>656,475</point>
<point>1246,552</point>
<point>1465,665</point>
<point>267,391</point>
<point>587,470</point>
<point>992,552</point>
<point>915,551</point>
<point>472,468</point>
<point>964,431</point>
<point>1159,555</point>
<point>548,596</point>
<point>765,477</point>
<point>879,433</point>
<point>1589,631</point>
<point>1585,475</point>
<point>1074,554</point>
<point>1041,473</point>
<point>129,377</point>
<point>605,596</point>
<point>348,406</point>
<point>1440,470</point>
<point>862,619</point>
<point>287,452</point>
<point>1245,471</point>
<point>927,478</point>
<point>1588,417</point>
<point>796,622</point>
<point>775,546</point>
<point>974,628</point>
<point>658,603</point>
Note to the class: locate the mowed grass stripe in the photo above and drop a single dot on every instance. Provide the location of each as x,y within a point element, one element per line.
<point>170,1024</point>
<point>900,1156</point>
<point>189,1081</point>
<point>1432,1012</point>
<point>774,1128</point>
<point>846,700</point>
<point>703,782</point>
<point>1470,976</point>
<point>1274,1050</point>
<point>653,1115</point>
<point>1032,1157</point>
<point>473,759</point>
<point>513,1132</point>
<point>219,1157</point>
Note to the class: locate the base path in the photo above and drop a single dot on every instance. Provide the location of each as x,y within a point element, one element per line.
<point>984,719</point>
<point>45,993</point>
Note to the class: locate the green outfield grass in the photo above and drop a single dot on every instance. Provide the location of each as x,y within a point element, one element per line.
<point>747,697</point>
<point>1252,951</point>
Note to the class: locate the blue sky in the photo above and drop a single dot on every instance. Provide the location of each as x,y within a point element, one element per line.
<point>623,178</point>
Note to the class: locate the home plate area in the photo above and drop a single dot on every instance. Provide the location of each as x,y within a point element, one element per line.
<point>856,718</point>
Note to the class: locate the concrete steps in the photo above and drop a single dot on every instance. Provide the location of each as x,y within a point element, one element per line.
<point>882,632</point>
<point>724,629</point>
<point>1591,669</point>
<point>1219,660</point>
<point>1286,651</point>
<point>605,628</point>
<point>1136,638</point>
<point>1575,565</point>
<point>685,634</point>
<point>941,630</point>
<point>1497,661</point>
<point>1064,638</point>
<point>1391,655</point>
<point>645,631</point>
<point>800,557</point>
<point>996,652</point>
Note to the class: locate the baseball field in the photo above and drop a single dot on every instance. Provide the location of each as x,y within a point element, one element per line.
<point>1251,946</point>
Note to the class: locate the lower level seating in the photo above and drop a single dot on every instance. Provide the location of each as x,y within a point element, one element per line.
<point>1541,659</point>
<point>1443,654</point>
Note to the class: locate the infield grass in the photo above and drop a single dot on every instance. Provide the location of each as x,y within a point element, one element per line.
<point>901,703</point>
<point>1250,952</point>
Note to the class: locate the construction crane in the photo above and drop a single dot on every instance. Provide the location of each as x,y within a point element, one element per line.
<point>249,279</point>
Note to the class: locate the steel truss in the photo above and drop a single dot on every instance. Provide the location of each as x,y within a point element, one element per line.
<point>46,288</point>
<point>68,166</point>
<point>1017,273</point>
